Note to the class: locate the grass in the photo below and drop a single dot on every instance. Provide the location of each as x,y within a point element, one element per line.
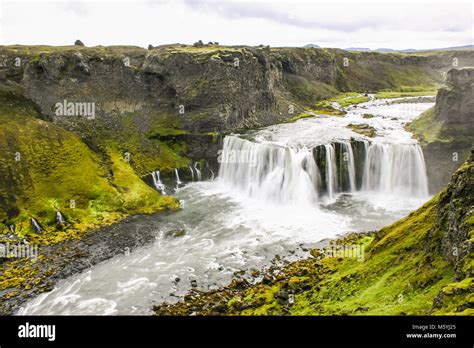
<point>405,93</point>
<point>326,107</point>
<point>343,99</point>
<point>352,98</point>
<point>300,116</point>
<point>307,91</point>
<point>426,128</point>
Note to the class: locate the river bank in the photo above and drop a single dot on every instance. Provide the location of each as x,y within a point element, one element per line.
<point>24,279</point>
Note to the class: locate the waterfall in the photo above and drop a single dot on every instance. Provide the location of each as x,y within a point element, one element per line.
<point>60,219</point>
<point>285,175</point>
<point>395,168</point>
<point>157,182</point>
<point>212,174</point>
<point>331,170</point>
<point>198,172</point>
<point>274,174</point>
<point>36,226</point>
<point>176,174</point>
<point>192,172</point>
<point>348,157</point>
<point>12,228</point>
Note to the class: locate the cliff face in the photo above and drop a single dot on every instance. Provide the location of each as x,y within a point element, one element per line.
<point>446,132</point>
<point>455,219</point>
<point>455,103</point>
<point>210,88</point>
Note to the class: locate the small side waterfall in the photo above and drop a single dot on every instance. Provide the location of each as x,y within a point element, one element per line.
<point>35,225</point>
<point>195,172</point>
<point>157,182</point>
<point>60,219</point>
<point>176,174</point>
<point>212,174</point>
<point>290,175</point>
<point>198,172</point>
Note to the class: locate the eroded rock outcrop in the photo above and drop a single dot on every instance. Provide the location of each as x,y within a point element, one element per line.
<point>455,103</point>
<point>446,132</point>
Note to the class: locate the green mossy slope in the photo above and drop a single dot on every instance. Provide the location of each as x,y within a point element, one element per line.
<point>406,269</point>
<point>426,128</point>
<point>44,167</point>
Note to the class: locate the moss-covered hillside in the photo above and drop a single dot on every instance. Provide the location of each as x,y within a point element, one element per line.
<point>45,168</point>
<point>422,264</point>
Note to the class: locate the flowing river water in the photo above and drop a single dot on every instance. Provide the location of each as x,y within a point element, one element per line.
<point>278,189</point>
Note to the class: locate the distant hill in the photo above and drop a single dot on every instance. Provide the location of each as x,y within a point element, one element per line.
<point>311,46</point>
<point>362,49</point>
<point>409,50</point>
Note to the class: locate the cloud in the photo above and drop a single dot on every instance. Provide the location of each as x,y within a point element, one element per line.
<point>335,23</point>
<point>348,16</point>
<point>76,8</point>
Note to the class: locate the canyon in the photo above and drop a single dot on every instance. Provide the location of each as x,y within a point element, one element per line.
<point>162,117</point>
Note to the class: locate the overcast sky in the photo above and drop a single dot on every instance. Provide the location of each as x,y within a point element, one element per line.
<point>332,23</point>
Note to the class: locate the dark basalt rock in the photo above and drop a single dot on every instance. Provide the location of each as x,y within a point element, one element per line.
<point>455,103</point>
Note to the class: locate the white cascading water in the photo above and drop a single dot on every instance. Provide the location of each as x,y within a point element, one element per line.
<point>349,159</point>
<point>176,174</point>
<point>331,170</point>
<point>291,175</point>
<point>395,168</point>
<point>157,182</point>
<point>36,225</point>
<point>274,174</point>
<point>60,219</point>
<point>198,172</point>
<point>192,172</point>
<point>212,174</point>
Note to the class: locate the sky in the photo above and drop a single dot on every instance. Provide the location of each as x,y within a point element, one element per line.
<point>401,24</point>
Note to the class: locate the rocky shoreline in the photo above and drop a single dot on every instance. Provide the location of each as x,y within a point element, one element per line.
<point>59,261</point>
<point>273,284</point>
